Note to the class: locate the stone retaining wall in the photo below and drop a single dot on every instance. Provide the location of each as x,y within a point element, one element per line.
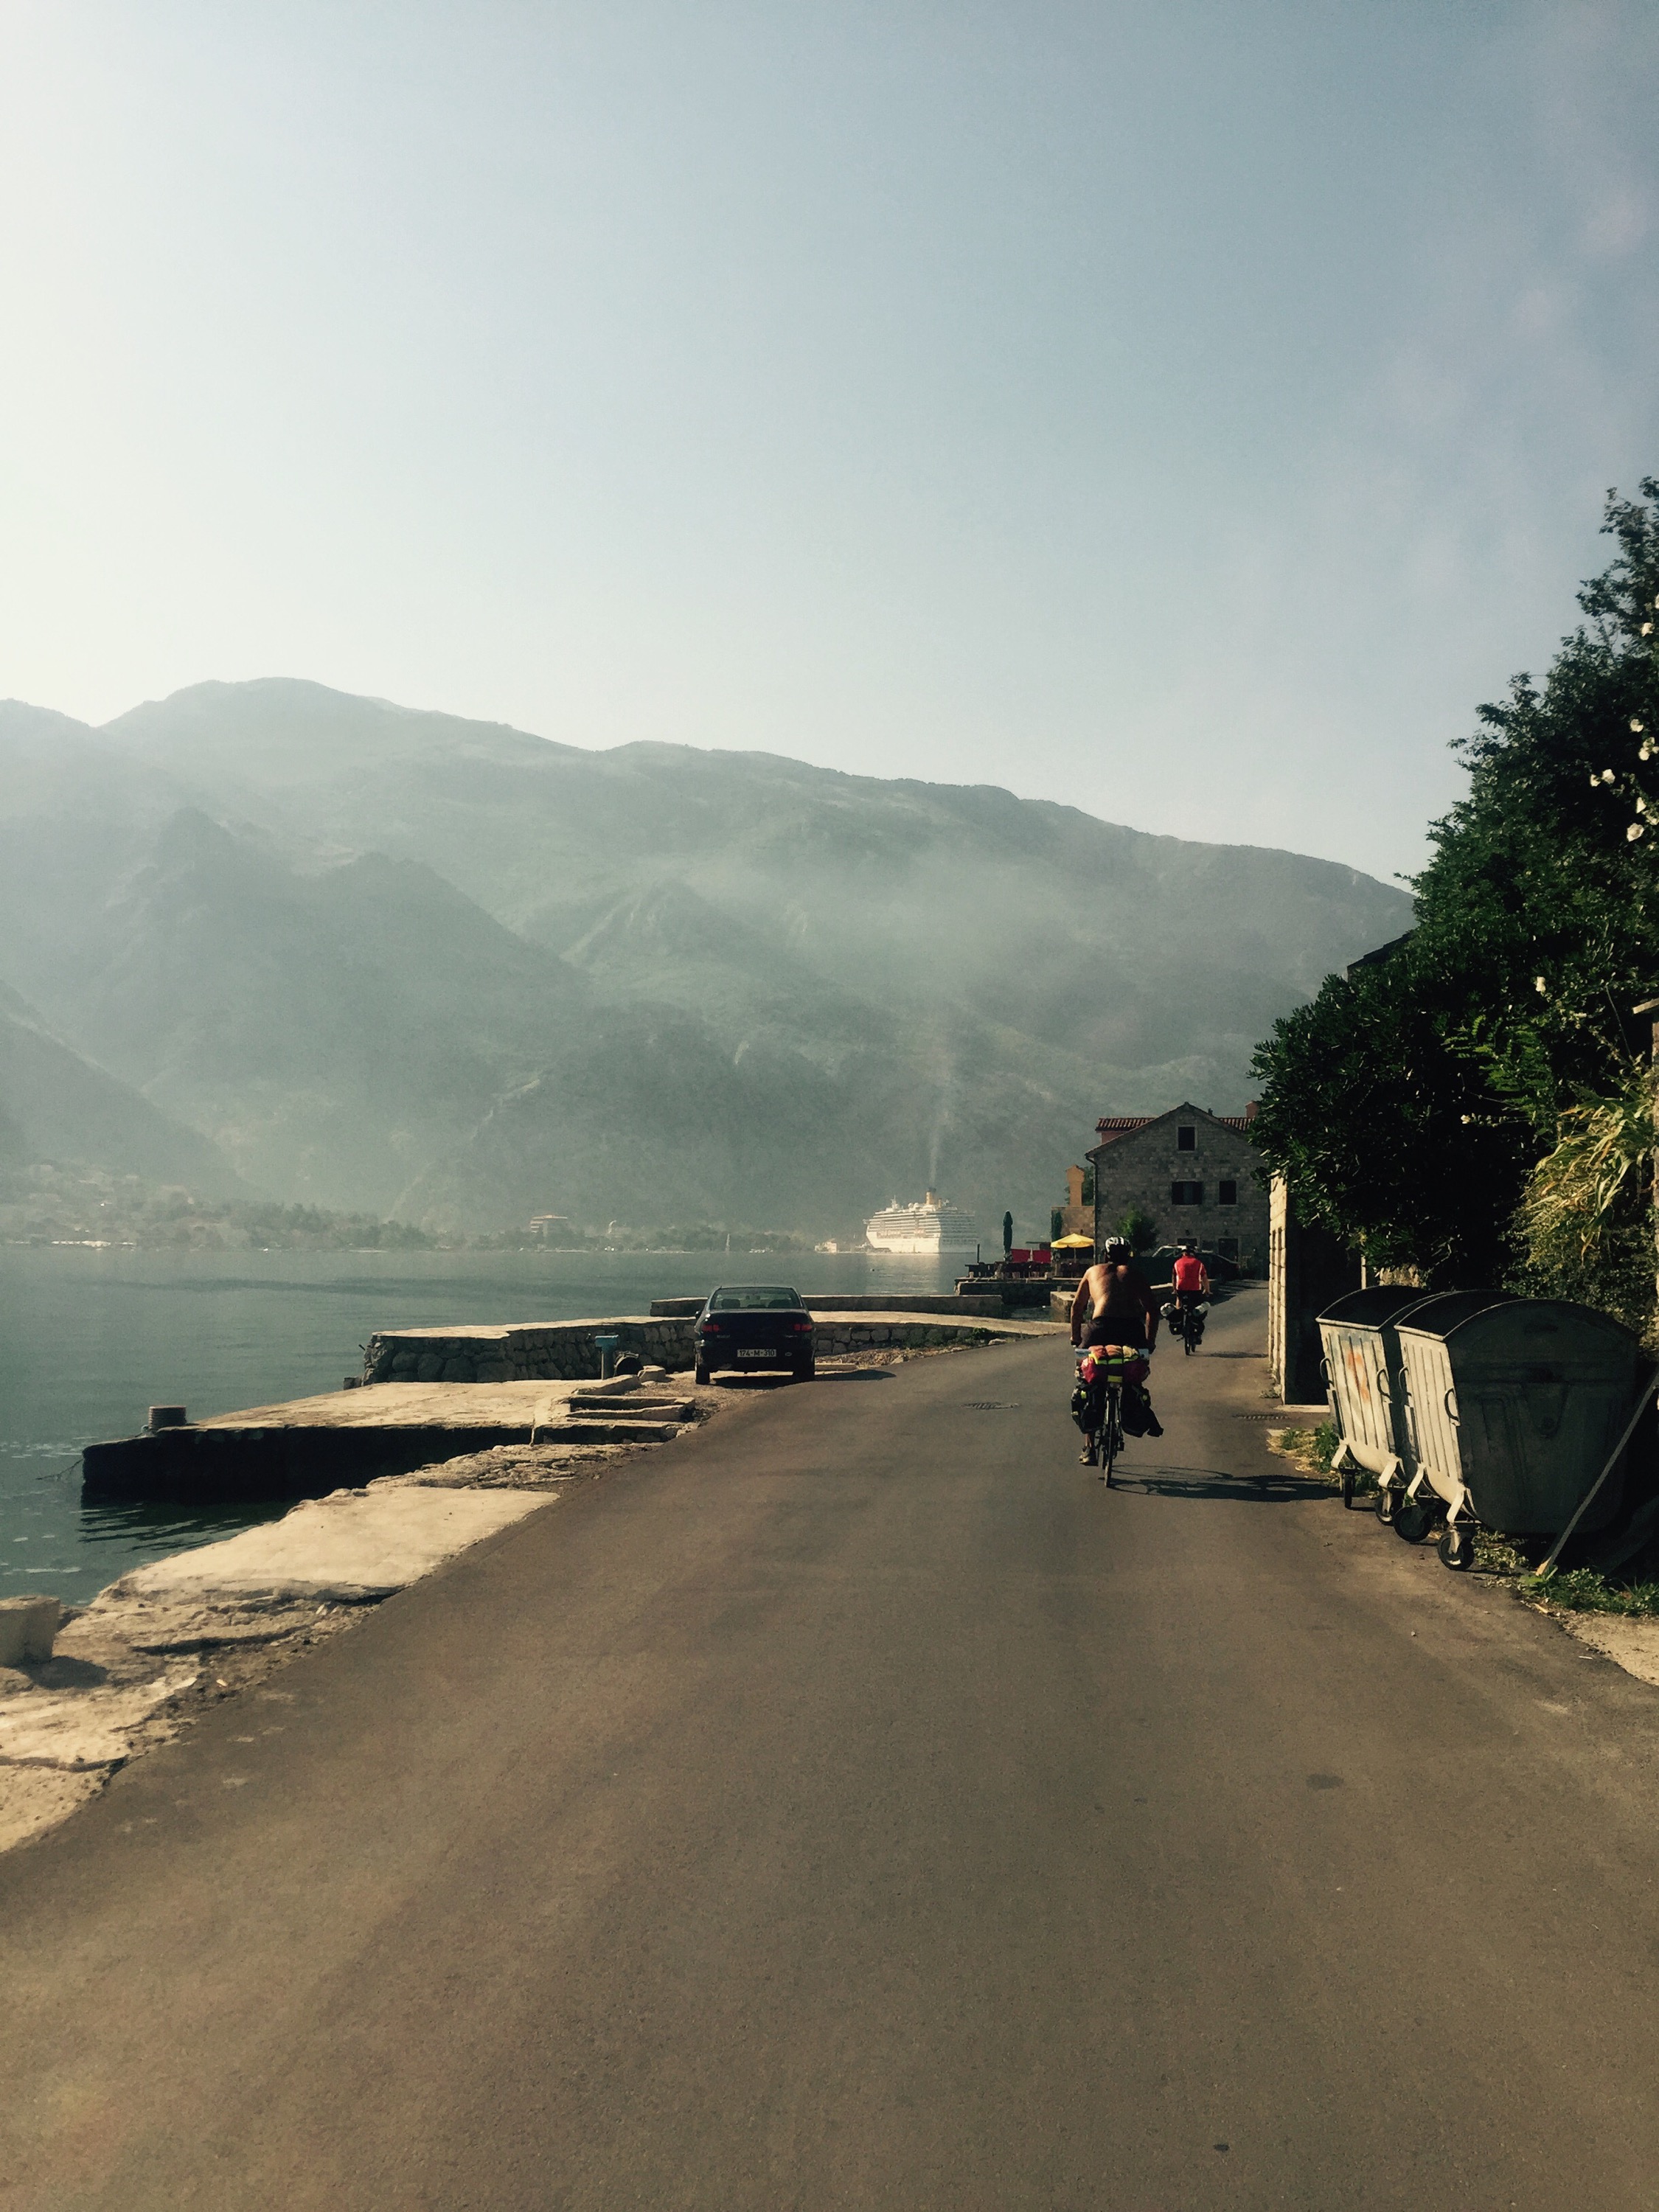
<point>566,1351</point>
<point>538,1352</point>
<point>928,1301</point>
<point>837,1332</point>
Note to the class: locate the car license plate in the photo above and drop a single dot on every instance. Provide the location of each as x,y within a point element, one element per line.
<point>761,1352</point>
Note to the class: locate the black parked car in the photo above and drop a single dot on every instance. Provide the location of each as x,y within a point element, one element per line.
<point>755,1326</point>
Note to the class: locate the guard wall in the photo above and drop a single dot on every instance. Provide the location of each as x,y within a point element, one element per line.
<point>567,1351</point>
<point>1308,1268</point>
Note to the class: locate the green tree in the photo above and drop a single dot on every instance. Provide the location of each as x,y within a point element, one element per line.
<point>1139,1228</point>
<point>1408,1104</point>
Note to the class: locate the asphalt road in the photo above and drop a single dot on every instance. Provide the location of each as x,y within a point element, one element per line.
<point>858,1805</point>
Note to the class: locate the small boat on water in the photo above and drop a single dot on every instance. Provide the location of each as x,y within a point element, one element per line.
<point>932,1226</point>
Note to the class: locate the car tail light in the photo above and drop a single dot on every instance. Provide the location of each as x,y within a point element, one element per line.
<point>713,1329</point>
<point>800,1327</point>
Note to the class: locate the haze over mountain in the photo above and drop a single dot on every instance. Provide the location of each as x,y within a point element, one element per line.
<point>55,1107</point>
<point>400,960</point>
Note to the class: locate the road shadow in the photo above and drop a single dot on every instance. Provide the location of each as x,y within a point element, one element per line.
<point>62,1672</point>
<point>744,1385</point>
<point>1213,1483</point>
<point>747,1385</point>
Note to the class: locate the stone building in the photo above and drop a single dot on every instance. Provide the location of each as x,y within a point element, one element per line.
<point>1077,1217</point>
<point>1192,1174</point>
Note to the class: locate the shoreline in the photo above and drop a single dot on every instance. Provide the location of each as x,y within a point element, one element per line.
<point>98,1336</point>
<point>170,1638</point>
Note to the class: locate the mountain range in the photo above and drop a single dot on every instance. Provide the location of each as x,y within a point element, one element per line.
<point>328,949</point>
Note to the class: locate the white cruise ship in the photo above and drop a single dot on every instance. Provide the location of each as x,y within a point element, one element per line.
<point>934,1226</point>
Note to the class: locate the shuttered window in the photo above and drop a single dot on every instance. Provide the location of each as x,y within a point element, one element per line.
<point>1228,1195</point>
<point>1186,1194</point>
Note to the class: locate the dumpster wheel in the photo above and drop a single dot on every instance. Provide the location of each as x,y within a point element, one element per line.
<point>1456,1547</point>
<point>1347,1489</point>
<point>1388,1501</point>
<point>1414,1517</point>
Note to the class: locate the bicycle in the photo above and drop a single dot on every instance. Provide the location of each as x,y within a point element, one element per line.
<point>1109,1434</point>
<point>1103,1423</point>
<point>1187,1324</point>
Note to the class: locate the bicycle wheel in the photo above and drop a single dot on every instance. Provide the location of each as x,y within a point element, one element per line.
<point>1088,1420</point>
<point>1111,1435</point>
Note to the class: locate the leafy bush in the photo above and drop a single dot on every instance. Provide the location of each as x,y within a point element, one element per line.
<point>1586,1216</point>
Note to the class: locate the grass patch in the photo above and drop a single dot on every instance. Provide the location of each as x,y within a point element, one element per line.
<point>1497,1555</point>
<point>1570,1590</point>
<point>1313,1450</point>
<point>1582,1589</point>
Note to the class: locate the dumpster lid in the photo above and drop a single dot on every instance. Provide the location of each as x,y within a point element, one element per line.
<point>1539,1317</point>
<point>1370,1308</point>
<point>1442,1311</point>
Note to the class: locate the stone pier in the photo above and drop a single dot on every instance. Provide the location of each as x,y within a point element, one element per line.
<point>567,1352</point>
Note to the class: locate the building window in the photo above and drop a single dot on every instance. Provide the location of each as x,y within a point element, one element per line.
<point>1186,1194</point>
<point>1227,1247</point>
<point>1229,1193</point>
<point>1185,1141</point>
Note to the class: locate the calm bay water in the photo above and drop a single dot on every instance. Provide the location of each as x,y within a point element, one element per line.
<point>90,1340</point>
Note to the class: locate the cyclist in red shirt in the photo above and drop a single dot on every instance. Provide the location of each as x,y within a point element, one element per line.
<point>1192,1277</point>
<point>1192,1286</point>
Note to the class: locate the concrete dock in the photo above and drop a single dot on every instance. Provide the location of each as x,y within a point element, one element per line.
<point>436,1393</point>
<point>309,1447</point>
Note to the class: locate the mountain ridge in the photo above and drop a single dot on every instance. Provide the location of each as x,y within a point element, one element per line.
<point>454,968</point>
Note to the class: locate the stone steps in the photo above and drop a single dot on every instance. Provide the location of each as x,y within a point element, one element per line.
<point>609,1431</point>
<point>631,1409</point>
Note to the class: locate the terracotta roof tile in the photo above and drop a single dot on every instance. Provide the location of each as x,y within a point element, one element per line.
<point>1122,1125</point>
<point>1110,1127</point>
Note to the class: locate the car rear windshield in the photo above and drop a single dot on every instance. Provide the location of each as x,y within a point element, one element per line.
<point>754,1297</point>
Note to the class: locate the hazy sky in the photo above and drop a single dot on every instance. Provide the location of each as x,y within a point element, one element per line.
<point>1191,412</point>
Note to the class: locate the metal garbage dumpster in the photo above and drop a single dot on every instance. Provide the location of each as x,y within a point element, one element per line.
<point>1513,1406</point>
<point>1361,1361</point>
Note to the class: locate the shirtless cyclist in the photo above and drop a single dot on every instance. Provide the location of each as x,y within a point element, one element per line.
<point>1114,1303</point>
